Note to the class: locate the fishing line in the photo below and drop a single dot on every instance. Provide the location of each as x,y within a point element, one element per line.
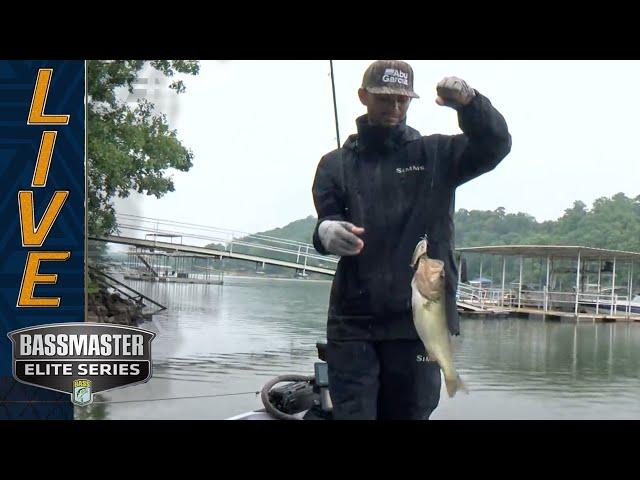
<point>131,401</point>
<point>184,379</point>
<point>177,398</point>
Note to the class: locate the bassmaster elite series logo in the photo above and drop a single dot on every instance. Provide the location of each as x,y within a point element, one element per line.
<point>81,359</point>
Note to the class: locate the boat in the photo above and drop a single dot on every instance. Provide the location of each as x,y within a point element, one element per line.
<point>604,303</point>
<point>300,398</point>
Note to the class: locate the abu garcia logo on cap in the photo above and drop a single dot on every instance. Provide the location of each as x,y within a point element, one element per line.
<point>392,75</point>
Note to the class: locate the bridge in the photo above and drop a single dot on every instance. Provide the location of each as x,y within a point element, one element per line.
<point>184,238</point>
<point>201,240</point>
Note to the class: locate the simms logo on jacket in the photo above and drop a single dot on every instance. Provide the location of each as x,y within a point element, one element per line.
<point>392,75</point>
<point>411,168</point>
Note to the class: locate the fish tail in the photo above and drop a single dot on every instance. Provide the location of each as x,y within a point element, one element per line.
<point>455,384</point>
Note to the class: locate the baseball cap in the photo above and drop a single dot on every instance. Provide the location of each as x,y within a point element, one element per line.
<point>393,77</point>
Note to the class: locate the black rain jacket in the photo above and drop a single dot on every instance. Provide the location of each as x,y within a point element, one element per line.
<point>399,186</point>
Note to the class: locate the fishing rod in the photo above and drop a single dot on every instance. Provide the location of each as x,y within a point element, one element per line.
<point>335,106</point>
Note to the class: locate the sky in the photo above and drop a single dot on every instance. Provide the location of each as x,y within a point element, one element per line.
<point>259,128</point>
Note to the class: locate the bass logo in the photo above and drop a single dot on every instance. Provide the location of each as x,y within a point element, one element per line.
<point>82,395</point>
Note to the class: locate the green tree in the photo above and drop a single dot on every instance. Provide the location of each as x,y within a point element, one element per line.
<point>128,148</point>
<point>570,224</point>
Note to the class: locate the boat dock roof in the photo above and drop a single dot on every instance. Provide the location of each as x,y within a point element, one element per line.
<point>555,251</point>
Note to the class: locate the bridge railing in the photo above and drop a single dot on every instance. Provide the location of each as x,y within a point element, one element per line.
<point>232,241</point>
<point>224,234</point>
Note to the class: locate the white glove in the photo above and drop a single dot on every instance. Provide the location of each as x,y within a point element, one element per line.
<point>454,92</point>
<point>340,238</point>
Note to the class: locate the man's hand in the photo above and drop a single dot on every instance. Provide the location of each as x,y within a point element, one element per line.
<point>340,238</point>
<point>454,92</point>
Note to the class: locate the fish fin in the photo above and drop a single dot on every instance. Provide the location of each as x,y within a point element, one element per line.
<point>429,301</point>
<point>454,385</point>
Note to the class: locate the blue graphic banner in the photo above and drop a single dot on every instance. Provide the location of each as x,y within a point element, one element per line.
<point>42,239</point>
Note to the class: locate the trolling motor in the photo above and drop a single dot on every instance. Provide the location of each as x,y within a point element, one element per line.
<point>303,393</point>
<point>322,379</point>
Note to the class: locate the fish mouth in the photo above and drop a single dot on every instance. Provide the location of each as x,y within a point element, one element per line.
<point>435,269</point>
<point>428,278</point>
<point>418,252</point>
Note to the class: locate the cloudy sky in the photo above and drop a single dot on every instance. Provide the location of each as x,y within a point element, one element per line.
<point>259,128</point>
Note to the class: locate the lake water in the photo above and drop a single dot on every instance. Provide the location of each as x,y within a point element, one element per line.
<point>220,344</point>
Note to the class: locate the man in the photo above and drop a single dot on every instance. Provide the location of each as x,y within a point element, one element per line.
<point>376,197</point>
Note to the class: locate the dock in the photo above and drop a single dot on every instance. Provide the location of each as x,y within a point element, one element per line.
<point>549,315</point>
<point>557,296</point>
<point>150,264</point>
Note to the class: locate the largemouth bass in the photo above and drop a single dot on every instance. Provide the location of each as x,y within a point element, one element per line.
<point>429,318</point>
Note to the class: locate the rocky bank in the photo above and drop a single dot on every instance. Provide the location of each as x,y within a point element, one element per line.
<point>106,307</point>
